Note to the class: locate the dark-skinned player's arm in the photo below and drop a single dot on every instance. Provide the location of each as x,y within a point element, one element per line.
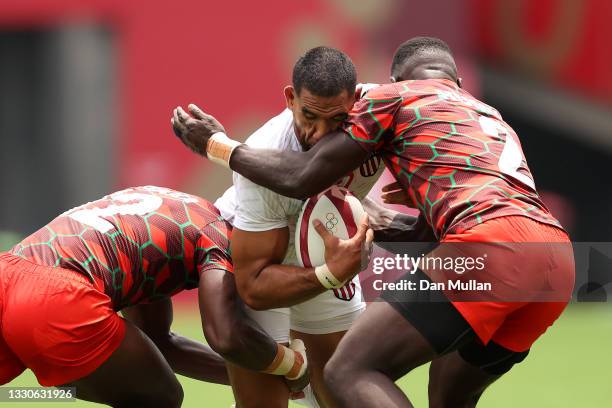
<point>291,174</point>
<point>393,226</point>
<point>227,327</point>
<point>388,225</point>
<point>231,332</point>
<point>304,174</point>
<point>370,128</point>
<point>264,283</point>
<point>186,357</point>
<point>298,174</point>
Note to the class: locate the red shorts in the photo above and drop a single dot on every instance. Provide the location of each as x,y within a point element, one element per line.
<point>53,321</point>
<point>516,325</point>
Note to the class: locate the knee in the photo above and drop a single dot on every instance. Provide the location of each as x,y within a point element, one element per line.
<point>224,345</point>
<point>336,375</point>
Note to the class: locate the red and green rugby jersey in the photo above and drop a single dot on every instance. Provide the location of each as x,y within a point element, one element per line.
<point>139,244</point>
<point>460,163</point>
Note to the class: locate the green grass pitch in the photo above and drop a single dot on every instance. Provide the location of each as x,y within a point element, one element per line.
<point>568,367</point>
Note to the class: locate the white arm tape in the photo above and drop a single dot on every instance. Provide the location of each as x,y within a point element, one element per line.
<point>327,279</point>
<point>298,347</point>
<point>219,149</point>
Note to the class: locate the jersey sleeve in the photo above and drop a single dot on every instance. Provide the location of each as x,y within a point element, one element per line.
<point>213,247</point>
<point>257,208</point>
<point>373,116</point>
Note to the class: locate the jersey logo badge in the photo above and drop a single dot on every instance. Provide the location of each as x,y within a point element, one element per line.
<point>347,292</point>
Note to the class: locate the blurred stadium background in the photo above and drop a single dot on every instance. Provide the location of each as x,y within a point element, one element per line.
<point>87,88</point>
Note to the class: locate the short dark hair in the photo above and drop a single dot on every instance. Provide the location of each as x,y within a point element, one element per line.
<point>324,71</point>
<point>416,45</point>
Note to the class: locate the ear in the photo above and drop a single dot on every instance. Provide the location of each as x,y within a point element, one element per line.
<point>289,92</point>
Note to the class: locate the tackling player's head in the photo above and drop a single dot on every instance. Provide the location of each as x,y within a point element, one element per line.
<point>424,58</point>
<point>322,94</point>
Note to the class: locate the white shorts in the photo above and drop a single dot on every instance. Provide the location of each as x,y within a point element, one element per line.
<point>329,312</point>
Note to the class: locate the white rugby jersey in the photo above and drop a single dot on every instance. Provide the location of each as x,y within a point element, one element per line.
<point>251,207</point>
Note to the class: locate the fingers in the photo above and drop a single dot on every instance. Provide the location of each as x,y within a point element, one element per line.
<point>392,186</point>
<point>368,247</point>
<point>394,193</point>
<point>178,115</point>
<point>181,121</point>
<point>395,197</point>
<point>176,128</point>
<point>196,111</point>
<point>321,230</point>
<point>364,223</point>
<point>182,115</point>
<point>177,125</point>
<point>369,239</point>
<point>180,118</point>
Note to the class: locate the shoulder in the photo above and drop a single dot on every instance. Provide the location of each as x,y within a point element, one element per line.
<point>385,91</point>
<point>277,133</point>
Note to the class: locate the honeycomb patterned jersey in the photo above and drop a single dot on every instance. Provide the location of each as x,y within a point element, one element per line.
<point>139,244</point>
<point>460,163</point>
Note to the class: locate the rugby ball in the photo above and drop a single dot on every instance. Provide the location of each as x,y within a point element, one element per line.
<point>338,210</point>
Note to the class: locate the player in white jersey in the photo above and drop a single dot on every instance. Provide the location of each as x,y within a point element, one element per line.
<point>250,207</point>
<point>264,223</point>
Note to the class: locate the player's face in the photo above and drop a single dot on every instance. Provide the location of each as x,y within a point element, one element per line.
<point>315,116</point>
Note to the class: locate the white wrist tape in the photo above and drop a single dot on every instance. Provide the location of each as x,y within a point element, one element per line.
<point>298,347</point>
<point>285,364</point>
<point>289,361</point>
<point>327,279</point>
<point>220,148</point>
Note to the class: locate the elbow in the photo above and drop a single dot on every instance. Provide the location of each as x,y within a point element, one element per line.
<point>226,346</point>
<point>223,340</point>
<point>251,298</point>
<point>255,303</point>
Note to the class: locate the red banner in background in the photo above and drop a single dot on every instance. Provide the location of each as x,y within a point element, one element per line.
<point>563,42</point>
<point>231,58</point>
